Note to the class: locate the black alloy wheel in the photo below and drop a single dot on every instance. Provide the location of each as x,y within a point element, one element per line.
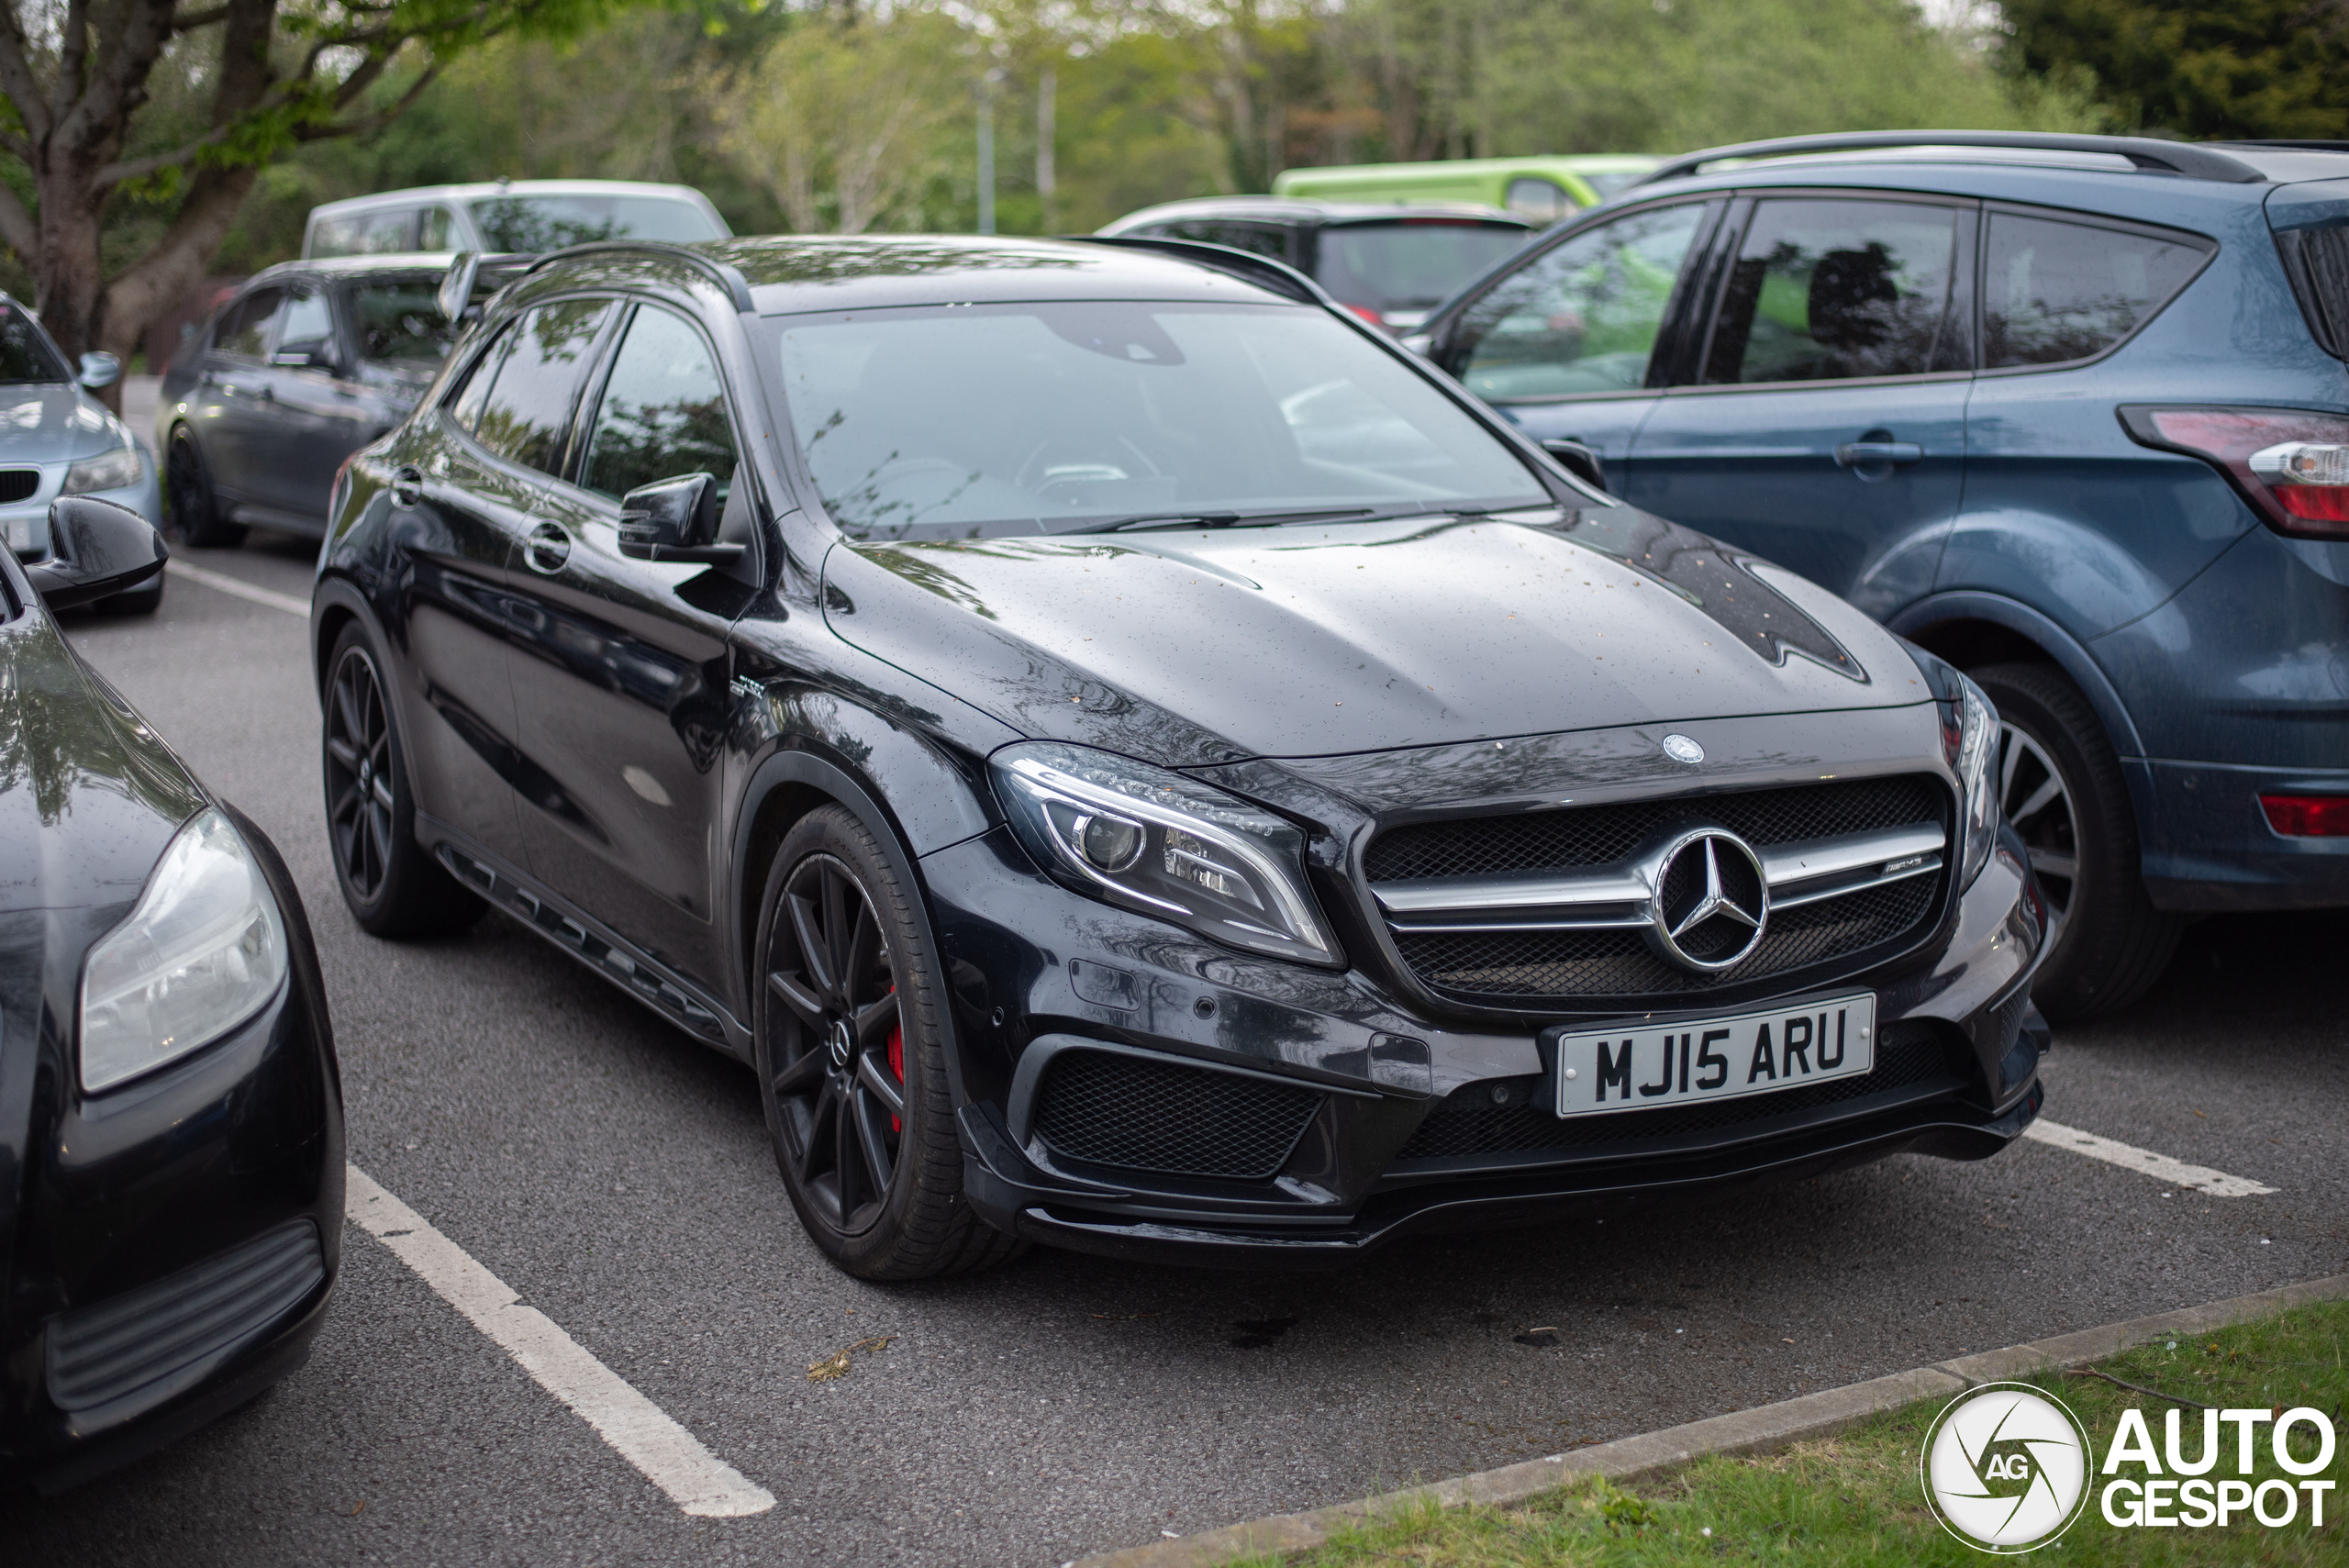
<point>392,884</point>
<point>852,1062</point>
<point>2062,789</point>
<point>195,509</point>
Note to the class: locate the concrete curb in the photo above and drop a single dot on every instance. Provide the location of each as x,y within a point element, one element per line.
<point>1761,1431</point>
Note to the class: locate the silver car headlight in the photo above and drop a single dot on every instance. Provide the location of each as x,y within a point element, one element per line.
<point>117,470</point>
<point>203,950</point>
<point>1972,739</point>
<point>1155,841</point>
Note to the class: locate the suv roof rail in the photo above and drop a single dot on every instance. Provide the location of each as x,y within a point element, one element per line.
<point>1245,265</point>
<point>2190,159</point>
<point>725,274</point>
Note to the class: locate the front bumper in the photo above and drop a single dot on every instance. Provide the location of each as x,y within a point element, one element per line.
<point>177,1240</point>
<point>1355,1178</point>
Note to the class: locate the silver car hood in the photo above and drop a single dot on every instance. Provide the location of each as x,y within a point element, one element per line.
<point>52,422</point>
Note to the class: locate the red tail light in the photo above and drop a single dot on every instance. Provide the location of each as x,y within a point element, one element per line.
<point>2290,464</point>
<point>2308,815</point>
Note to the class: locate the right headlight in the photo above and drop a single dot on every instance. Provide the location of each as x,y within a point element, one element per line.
<point>117,470</point>
<point>203,950</point>
<point>1168,846</point>
<point>1971,735</point>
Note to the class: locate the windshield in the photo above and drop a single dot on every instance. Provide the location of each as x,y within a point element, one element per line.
<point>25,352</point>
<point>1415,265</point>
<point>969,421</point>
<point>400,324</point>
<point>550,223</point>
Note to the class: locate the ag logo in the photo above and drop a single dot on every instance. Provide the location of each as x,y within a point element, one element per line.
<point>2006,1468</point>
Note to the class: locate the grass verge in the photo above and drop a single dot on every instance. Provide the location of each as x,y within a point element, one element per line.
<point>1855,1500</point>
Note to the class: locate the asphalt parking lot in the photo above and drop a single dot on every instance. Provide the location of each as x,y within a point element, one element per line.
<point>617,1175</point>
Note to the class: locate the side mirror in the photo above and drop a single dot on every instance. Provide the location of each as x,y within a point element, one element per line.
<point>100,371</point>
<point>1581,461</point>
<point>456,290</point>
<point>676,519</point>
<point>95,549</point>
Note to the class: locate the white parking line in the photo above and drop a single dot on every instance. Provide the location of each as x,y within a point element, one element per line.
<point>220,582</point>
<point>2178,1172</point>
<point>671,1457</point>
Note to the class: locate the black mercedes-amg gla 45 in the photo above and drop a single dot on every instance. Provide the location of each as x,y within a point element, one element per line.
<point>1135,762</point>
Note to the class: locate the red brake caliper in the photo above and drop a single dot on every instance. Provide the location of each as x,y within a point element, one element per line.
<point>897,1063</point>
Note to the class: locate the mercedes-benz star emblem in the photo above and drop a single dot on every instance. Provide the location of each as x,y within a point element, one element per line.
<point>1710,902</point>
<point>842,1043</point>
<point>1680,749</point>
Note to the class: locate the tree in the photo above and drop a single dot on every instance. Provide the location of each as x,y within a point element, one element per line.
<point>2216,68</point>
<point>76,75</point>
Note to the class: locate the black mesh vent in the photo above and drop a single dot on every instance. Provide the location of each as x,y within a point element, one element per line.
<point>18,483</point>
<point>1600,835</point>
<point>103,1352</point>
<point>1533,964</point>
<point>1152,1116</point>
<point>1468,1122</point>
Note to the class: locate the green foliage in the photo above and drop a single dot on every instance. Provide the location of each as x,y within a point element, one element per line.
<point>2212,69</point>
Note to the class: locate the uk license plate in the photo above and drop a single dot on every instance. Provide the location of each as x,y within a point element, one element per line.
<point>1632,1067</point>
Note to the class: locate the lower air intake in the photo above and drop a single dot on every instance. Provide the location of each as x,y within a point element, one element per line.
<point>142,1339</point>
<point>1161,1117</point>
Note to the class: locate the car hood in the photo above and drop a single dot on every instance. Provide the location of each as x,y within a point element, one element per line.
<point>1200,647</point>
<point>50,422</point>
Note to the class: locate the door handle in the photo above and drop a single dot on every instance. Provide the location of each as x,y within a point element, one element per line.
<point>1872,454</point>
<point>408,485</point>
<point>547,549</point>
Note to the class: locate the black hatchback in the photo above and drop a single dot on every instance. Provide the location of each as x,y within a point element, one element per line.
<point>1136,760</point>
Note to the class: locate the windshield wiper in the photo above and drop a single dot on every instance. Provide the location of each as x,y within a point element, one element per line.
<point>1218,519</point>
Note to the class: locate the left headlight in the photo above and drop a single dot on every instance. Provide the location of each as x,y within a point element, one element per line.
<point>1970,731</point>
<point>203,950</point>
<point>117,470</point>
<point>1168,846</point>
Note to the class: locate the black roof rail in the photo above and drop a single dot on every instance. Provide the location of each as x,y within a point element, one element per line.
<point>2189,160</point>
<point>1246,265</point>
<point>724,273</point>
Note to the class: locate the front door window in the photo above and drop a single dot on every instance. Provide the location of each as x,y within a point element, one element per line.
<point>663,412</point>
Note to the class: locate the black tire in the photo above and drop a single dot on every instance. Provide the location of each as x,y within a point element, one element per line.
<point>196,510</point>
<point>143,600</point>
<point>2062,788</point>
<point>394,887</point>
<point>864,1136</point>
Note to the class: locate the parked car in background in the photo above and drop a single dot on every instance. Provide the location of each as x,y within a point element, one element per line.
<point>309,362</point>
<point>56,439</point>
<point>171,1116</point>
<point>1138,761</point>
<point>1387,264</point>
<point>508,216</point>
<point>1541,189</point>
<point>2069,411</point>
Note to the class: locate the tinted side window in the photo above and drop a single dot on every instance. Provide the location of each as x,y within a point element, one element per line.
<point>401,324</point>
<point>310,322</point>
<point>1832,290</point>
<point>244,330</point>
<point>2054,291</point>
<point>435,229</point>
<point>528,411</point>
<point>1582,316</point>
<point>664,410</point>
<point>1257,238</point>
<point>472,390</point>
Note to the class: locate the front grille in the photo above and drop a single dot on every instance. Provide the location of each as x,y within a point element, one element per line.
<point>1601,835</point>
<point>1150,1115</point>
<point>18,485</point>
<point>111,1349</point>
<point>1513,966</point>
<point>1466,1123</point>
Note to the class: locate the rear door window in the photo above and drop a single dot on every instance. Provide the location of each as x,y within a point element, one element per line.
<point>400,325</point>
<point>1583,316</point>
<point>1412,266</point>
<point>1832,290</point>
<point>2054,290</point>
<point>525,413</point>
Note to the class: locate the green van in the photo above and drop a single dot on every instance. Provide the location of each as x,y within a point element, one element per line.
<point>1541,189</point>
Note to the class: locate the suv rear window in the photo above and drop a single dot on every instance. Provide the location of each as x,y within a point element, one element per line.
<point>2054,290</point>
<point>1414,264</point>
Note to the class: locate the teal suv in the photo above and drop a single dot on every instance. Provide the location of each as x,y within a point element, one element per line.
<point>2069,411</point>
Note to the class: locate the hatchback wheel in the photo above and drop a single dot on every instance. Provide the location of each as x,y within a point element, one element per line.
<point>392,884</point>
<point>2060,786</point>
<point>195,508</point>
<point>850,1059</point>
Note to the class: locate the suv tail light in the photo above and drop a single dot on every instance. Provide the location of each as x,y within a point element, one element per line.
<point>2308,815</point>
<point>2291,465</point>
